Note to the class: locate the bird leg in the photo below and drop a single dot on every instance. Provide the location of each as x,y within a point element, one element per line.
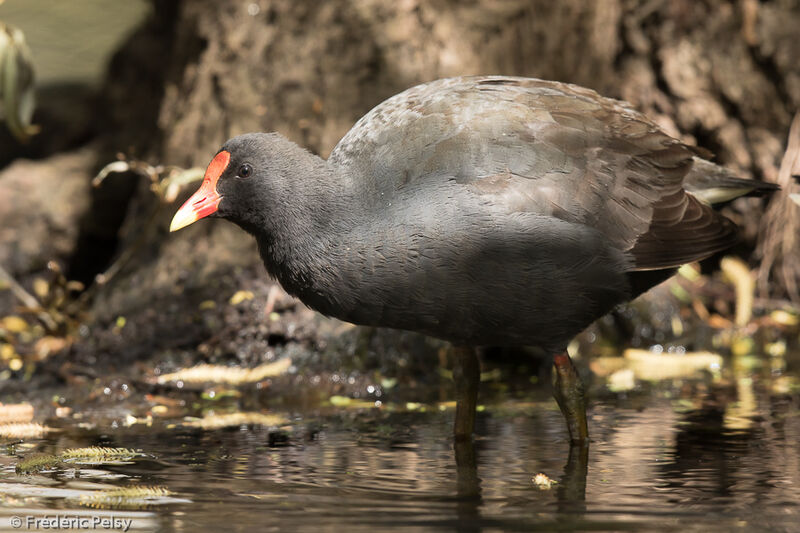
<point>569,393</point>
<point>571,489</point>
<point>467,376</point>
<point>468,484</point>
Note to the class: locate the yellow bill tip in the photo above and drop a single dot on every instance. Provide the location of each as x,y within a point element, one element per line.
<point>182,218</point>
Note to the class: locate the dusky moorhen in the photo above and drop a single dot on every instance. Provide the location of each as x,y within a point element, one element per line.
<point>481,210</point>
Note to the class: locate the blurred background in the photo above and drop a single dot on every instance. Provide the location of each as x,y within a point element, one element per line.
<point>112,109</point>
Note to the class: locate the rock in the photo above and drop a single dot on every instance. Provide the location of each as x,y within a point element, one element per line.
<point>41,204</point>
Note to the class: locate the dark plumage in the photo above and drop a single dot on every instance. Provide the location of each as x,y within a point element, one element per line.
<point>481,210</point>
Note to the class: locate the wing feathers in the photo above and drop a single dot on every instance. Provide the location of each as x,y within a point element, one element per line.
<point>548,148</point>
<point>682,230</point>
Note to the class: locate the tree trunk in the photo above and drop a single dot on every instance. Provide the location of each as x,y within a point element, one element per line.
<point>720,74</point>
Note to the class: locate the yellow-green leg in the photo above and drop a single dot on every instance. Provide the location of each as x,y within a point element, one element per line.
<point>569,393</point>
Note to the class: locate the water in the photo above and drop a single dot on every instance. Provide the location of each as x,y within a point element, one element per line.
<point>665,460</point>
<point>72,40</point>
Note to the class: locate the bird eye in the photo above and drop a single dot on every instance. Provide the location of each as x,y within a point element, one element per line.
<point>245,171</point>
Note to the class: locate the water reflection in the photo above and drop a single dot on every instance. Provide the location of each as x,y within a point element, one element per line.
<point>468,484</point>
<point>572,488</point>
<point>652,459</point>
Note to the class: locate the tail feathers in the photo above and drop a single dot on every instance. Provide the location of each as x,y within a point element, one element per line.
<point>713,184</point>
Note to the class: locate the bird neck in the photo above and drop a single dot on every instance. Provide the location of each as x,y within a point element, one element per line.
<point>295,243</point>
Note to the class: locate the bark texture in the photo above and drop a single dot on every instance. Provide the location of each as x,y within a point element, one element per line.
<point>718,73</point>
<point>722,72</point>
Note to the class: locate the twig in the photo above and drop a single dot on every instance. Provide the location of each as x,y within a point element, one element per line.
<point>166,189</point>
<point>27,299</point>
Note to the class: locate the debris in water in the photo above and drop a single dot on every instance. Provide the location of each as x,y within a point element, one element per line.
<point>127,497</point>
<point>24,431</point>
<point>99,455</point>
<point>37,463</point>
<point>15,412</point>
<point>543,482</point>
<point>206,373</point>
<point>652,366</point>
<point>236,419</point>
<point>352,403</point>
<point>622,380</point>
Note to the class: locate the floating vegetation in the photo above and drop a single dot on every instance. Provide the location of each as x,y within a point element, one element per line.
<point>93,455</point>
<point>37,463</point>
<point>15,413</point>
<point>205,373</point>
<point>543,482</point>
<point>15,422</point>
<point>137,497</point>
<point>236,419</point>
<point>216,395</point>
<point>352,403</point>
<point>652,366</point>
<point>99,455</point>
<point>24,431</point>
<point>17,99</point>
<point>622,380</point>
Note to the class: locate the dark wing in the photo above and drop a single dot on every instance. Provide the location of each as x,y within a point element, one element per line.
<point>549,148</point>
<point>713,184</point>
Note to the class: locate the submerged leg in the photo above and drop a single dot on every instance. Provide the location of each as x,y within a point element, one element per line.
<point>568,390</point>
<point>571,490</point>
<point>468,484</point>
<point>467,376</point>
